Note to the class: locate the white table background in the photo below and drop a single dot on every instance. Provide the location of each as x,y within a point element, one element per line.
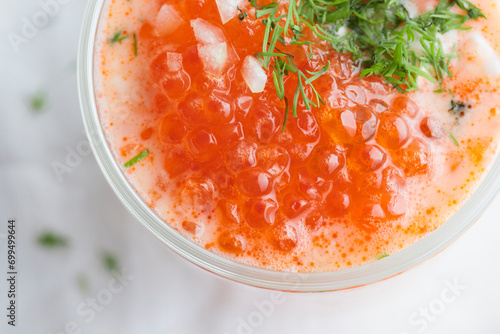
<point>168,294</point>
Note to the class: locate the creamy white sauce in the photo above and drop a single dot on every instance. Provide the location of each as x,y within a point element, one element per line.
<point>456,170</point>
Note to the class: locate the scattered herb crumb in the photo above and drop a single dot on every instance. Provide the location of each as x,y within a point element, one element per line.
<point>52,240</point>
<point>135,45</point>
<point>457,108</point>
<point>137,158</point>
<point>118,37</point>
<point>110,262</point>
<point>38,101</point>
<point>83,283</point>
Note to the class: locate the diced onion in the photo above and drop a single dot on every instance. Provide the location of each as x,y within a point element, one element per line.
<point>167,20</point>
<point>253,74</point>
<point>214,57</point>
<point>213,48</point>
<point>207,33</point>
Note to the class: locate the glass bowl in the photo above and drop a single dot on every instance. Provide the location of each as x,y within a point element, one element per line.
<point>286,281</point>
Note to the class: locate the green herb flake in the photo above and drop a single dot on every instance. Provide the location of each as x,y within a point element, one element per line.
<point>137,158</point>
<point>457,108</point>
<point>242,15</point>
<point>51,240</point>
<point>38,101</point>
<point>110,262</point>
<point>381,256</point>
<point>118,37</point>
<point>135,45</point>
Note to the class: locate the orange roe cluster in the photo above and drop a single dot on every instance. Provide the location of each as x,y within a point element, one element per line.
<point>347,161</point>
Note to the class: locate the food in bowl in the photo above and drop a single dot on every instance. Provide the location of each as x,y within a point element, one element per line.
<point>299,136</point>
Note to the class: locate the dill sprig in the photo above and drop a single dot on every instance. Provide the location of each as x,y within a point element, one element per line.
<point>281,62</point>
<point>378,34</point>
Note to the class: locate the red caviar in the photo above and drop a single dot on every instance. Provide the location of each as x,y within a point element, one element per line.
<point>348,160</point>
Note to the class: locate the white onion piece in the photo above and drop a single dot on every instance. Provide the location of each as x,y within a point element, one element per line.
<point>253,74</point>
<point>167,20</point>
<point>214,57</point>
<point>228,9</point>
<point>207,33</point>
<point>174,61</point>
<point>213,46</point>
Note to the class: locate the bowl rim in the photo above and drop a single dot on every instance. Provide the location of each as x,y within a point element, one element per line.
<point>385,268</point>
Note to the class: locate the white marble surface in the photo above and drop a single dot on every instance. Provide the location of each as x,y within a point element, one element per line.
<point>168,294</point>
